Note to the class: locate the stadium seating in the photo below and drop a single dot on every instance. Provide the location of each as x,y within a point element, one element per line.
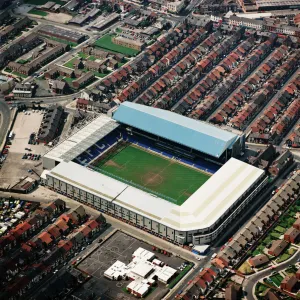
<point>94,151</point>
<point>160,147</point>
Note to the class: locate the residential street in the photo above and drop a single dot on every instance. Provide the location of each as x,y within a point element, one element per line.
<point>251,280</point>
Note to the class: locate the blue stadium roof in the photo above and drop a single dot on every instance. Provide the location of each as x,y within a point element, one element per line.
<point>197,135</point>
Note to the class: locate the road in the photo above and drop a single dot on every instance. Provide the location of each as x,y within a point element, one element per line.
<point>221,106</point>
<point>4,119</point>
<point>251,280</point>
<point>275,97</point>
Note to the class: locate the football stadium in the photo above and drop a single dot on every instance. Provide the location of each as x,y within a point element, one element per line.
<point>170,175</point>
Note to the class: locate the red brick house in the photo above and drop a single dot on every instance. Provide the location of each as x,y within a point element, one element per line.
<point>288,283</point>
<point>292,235</point>
<point>66,248</point>
<point>258,260</point>
<point>297,224</point>
<point>278,246</point>
<point>54,232</point>
<point>82,103</point>
<point>298,274</point>
<point>21,231</point>
<point>45,239</point>
<point>62,226</point>
<point>232,292</point>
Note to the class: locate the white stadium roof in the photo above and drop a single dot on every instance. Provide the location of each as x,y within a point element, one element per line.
<point>201,210</point>
<point>80,141</point>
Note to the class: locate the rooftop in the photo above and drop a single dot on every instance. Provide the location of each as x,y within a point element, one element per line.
<point>197,135</point>
<point>82,139</point>
<point>201,210</point>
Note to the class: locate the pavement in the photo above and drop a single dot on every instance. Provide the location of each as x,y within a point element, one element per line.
<point>251,280</point>
<point>271,102</point>
<point>221,106</point>
<point>5,113</point>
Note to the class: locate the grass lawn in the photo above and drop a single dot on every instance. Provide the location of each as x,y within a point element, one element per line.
<point>106,43</point>
<point>69,80</point>
<point>286,255</point>
<point>275,235</point>
<point>276,279</point>
<point>19,74</point>
<point>267,241</point>
<point>291,270</point>
<point>69,64</point>
<point>82,55</point>
<point>259,250</point>
<point>280,229</point>
<point>260,289</point>
<point>92,57</point>
<point>38,12</point>
<point>179,276</point>
<point>101,75</point>
<point>167,178</point>
<point>42,2</point>
<point>245,268</point>
<point>23,61</point>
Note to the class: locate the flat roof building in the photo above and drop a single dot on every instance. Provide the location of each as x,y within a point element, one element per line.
<point>58,32</point>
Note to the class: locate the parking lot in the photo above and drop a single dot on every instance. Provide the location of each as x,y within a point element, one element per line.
<point>14,167</point>
<point>25,124</point>
<point>120,246</point>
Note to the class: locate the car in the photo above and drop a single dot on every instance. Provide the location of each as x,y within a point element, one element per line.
<point>55,271</point>
<point>213,256</point>
<point>83,248</point>
<point>199,257</point>
<point>100,241</point>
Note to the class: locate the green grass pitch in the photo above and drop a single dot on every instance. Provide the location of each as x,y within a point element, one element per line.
<point>164,177</point>
<point>106,43</point>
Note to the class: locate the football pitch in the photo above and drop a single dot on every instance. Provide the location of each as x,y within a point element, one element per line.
<point>153,173</point>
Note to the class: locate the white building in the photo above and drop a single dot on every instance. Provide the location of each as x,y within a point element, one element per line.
<point>116,271</point>
<point>6,83</point>
<point>175,7</point>
<point>200,219</point>
<point>166,274</point>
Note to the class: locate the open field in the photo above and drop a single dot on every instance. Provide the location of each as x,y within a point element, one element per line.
<point>106,43</point>
<point>38,12</point>
<point>153,173</point>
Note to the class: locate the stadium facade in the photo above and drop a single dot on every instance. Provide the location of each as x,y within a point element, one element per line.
<point>202,217</point>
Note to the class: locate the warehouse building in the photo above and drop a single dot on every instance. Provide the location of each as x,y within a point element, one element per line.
<point>60,33</point>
